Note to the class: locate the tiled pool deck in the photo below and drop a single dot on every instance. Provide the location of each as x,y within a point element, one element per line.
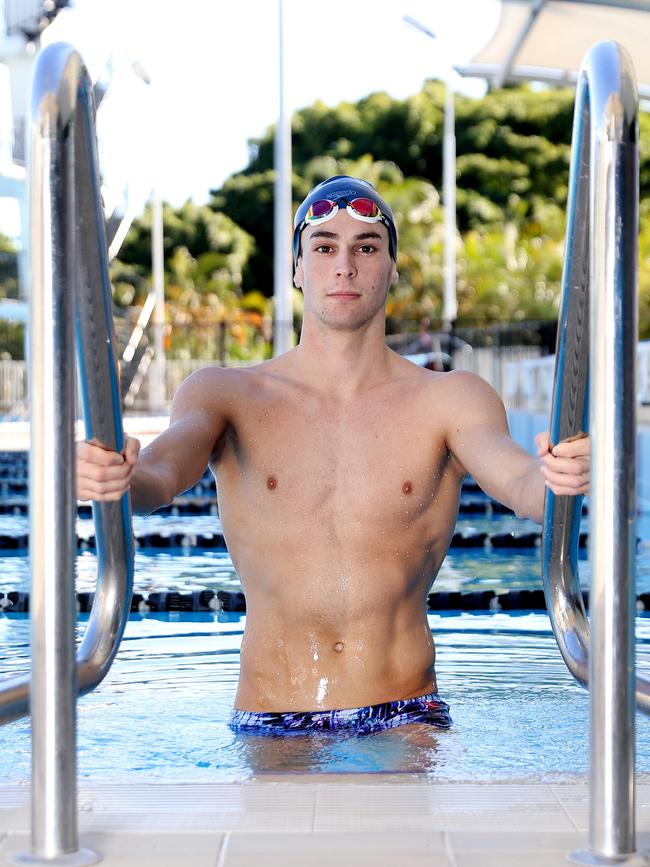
<point>392,820</point>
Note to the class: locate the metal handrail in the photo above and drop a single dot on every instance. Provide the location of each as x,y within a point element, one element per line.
<point>597,334</point>
<point>70,304</point>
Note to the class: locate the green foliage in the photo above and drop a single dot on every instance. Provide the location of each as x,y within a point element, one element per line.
<point>8,268</point>
<point>513,152</point>
<point>522,282</point>
<point>206,260</point>
<point>12,340</point>
<point>513,156</point>
<point>644,274</point>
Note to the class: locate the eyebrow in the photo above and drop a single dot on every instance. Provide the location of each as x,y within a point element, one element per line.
<point>362,236</point>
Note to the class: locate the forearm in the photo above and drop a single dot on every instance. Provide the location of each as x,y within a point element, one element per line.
<point>149,489</point>
<point>528,493</point>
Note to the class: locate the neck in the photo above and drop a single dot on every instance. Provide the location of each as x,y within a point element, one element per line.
<point>342,363</point>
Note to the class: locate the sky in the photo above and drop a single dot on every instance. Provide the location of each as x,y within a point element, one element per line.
<point>213,71</point>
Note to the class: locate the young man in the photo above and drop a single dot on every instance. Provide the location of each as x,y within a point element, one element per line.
<point>339,467</point>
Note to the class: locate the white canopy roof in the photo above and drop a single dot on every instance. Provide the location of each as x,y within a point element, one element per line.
<point>546,40</point>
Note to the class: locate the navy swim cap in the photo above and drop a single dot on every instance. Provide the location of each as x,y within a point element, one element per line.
<point>344,187</point>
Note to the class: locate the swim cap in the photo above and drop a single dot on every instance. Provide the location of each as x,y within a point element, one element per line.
<point>346,188</point>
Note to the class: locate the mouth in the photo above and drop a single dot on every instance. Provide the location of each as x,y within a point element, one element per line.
<point>343,294</point>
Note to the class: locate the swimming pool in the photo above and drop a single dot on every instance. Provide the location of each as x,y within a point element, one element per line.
<point>190,568</point>
<point>161,713</point>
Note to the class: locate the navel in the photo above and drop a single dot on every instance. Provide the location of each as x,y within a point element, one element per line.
<point>407,488</point>
<point>271,483</point>
<point>338,647</point>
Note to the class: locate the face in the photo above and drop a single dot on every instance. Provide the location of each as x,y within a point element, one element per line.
<point>345,271</point>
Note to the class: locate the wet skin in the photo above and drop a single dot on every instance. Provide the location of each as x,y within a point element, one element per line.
<point>336,556</point>
<point>338,467</point>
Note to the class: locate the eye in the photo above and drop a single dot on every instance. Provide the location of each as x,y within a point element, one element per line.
<point>367,248</point>
<point>322,248</point>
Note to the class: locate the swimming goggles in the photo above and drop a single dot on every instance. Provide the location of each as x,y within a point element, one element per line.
<point>361,209</point>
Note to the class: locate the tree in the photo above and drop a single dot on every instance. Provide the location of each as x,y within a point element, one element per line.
<point>512,174</point>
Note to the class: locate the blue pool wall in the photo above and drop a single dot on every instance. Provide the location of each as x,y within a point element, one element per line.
<point>524,425</point>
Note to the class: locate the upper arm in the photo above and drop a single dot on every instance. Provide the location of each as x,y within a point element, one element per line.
<point>478,436</point>
<point>199,416</point>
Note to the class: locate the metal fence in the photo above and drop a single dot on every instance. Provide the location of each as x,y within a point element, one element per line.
<point>14,394</point>
<point>528,383</point>
<point>522,375</point>
<point>13,388</point>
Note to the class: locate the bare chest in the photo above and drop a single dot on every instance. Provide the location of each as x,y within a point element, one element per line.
<point>380,457</point>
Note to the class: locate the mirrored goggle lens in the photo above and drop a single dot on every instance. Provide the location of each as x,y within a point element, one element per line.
<point>321,208</point>
<point>366,208</point>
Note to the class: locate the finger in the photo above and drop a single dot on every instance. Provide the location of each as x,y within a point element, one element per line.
<point>103,486</point>
<point>96,454</point>
<point>563,491</point>
<point>543,443</point>
<point>573,448</point>
<point>97,473</point>
<point>131,450</point>
<point>111,496</point>
<point>565,465</point>
<point>90,489</point>
<point>571,483</point>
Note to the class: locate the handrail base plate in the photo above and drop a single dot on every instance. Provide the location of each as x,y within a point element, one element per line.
<point>586,856</point>
<point>80,858</point>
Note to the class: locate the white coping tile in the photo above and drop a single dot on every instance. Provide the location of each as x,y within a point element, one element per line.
<point>328,805</point>
<point>225,806</point>
<point>575,800</point>
<point>510,859</point>
<point>440,807</point>
<point>14,796</point>
<point>290,859</point>
<point>348,848</point>
<point>210,797</point>
<point>516,841</point>
<point>245,821</point>
<point>15,820</point>
<point>139,850</point>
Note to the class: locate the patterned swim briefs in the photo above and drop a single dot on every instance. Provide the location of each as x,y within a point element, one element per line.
<point>429,709</point>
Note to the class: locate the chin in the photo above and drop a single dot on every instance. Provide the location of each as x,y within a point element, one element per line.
<point>345,324</point>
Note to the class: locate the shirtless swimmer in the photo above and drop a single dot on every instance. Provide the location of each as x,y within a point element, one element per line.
<point>339,468</point>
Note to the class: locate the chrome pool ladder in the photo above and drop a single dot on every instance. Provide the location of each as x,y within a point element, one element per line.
<point>70,306</point>
<point>594,389</point>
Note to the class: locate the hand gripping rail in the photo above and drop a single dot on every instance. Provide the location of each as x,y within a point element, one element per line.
<point>70,304</point>
<point>596,344</point>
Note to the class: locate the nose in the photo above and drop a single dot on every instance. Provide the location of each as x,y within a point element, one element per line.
<point>345,266</point>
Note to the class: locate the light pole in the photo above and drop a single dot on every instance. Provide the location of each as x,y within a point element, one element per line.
<point>282,271</point>
<point>157,371</point>
<point>450,304</point>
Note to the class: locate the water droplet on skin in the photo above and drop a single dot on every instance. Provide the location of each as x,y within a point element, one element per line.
<point>322,690</point>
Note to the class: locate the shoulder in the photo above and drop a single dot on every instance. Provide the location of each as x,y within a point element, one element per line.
<point>461,394</point>
<point>214,387</point>
<point>464,384</point>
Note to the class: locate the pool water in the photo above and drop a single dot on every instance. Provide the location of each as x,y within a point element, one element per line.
<point>161,713</point>
<point>186,569</point>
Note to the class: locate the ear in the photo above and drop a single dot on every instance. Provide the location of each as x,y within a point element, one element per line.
<point>298,276</point>
<point>395,277</point>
